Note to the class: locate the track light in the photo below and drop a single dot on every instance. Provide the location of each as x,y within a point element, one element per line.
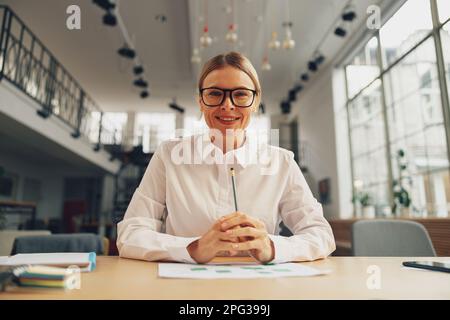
<point>137,70</point>
<point>175,106</point>
<point>349,14</point>
<point>127,52</point>
<point>104,4</point>
<point>292,95</point>
<point>262,108</point>
<point>285,107</point>
<point>304,77</point>
<point>319,59</point>
<point>298,88</point>
<point>144,94</point>
<point>312,66</point>
<point>340,32</point>
<point>140,83</point>
<point>109,19</point>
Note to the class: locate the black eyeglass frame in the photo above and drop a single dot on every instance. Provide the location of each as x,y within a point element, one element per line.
<point>225,96</point>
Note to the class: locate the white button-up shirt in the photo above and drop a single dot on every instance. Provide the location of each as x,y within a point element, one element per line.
<point>187,188</point>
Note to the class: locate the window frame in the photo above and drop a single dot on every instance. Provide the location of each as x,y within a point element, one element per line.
<point>384,69</point>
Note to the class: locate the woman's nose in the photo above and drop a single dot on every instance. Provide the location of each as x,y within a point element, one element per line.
<point>227,104</point>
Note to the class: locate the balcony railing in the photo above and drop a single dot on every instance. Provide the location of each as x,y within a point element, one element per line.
<point>27,64</point>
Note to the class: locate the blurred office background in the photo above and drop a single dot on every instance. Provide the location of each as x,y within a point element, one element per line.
<point>358,89</point>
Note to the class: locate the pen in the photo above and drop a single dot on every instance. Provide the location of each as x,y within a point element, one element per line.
<point>234,189</point>
<point>233,183</point>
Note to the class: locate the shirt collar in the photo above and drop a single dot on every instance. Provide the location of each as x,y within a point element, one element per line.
<point>244,155</point>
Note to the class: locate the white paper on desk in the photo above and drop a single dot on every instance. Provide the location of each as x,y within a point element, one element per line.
<point>195,271</point>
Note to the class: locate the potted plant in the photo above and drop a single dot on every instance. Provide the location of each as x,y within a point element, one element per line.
<point>356,201</point>
<point>364,204</point>
<point>368,209</point>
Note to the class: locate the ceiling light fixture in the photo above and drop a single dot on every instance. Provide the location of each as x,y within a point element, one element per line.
<point>292,95</point>
<point>285,107</point>
<point>231,35</point>
<point>298,88</point>
<point>262,108</point>
<point>127,52</point>
<point>140,83</point>
<point>349,13</point>
<point>175,106</point>
<point>288,42</point>
<point>196,56</point>
<point>137,70</point>
<point>109,19</point>
<point>104,4</point>
<point>266,65</point>
<point>274,44</point>
<point>205,39</point>
<point>312,66</point>
<point>340,32</point>
<point>319,59</point>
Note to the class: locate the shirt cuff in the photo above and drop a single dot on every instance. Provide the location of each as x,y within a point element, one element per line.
<point>178,251</point>
<point>282,254</point>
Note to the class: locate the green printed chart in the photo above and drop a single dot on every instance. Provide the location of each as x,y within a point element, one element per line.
<point>230,271</point>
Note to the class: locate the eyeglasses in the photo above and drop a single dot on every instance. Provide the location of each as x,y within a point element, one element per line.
<point>240,97</point>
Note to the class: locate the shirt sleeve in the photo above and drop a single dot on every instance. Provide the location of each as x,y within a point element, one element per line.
<point>139,233</point>
<point>312,235</point>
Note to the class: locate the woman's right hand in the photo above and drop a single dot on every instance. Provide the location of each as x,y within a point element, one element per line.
<point>211,243</point>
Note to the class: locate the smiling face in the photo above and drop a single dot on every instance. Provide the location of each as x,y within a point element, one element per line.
<point>228,116</point>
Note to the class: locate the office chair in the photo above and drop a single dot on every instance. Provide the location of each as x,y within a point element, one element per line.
<point>78,242</point>
<point>391,238</point>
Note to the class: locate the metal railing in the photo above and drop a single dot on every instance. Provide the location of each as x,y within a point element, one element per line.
<point>27,64</point>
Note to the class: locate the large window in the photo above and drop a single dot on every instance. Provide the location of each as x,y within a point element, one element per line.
<point>153,128</point>
<point>405,29</point>
<point>369,144</point>
<point>395,109</point>
<point>445,38</point>
<point>417,129</point>
<point>444,10</point>
<point>113,124</point>
<point>194,125</point>
<point>363,68</point>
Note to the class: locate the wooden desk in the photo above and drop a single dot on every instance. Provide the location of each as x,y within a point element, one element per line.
<point>117,278</point>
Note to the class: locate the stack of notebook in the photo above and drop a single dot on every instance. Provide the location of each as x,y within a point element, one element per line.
<point>51,270</point>
<point>46,277</point>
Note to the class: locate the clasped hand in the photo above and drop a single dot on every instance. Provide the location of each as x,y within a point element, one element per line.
<point>234,233</point>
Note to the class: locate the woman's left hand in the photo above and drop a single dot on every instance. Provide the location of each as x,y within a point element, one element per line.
<point>252,234</point>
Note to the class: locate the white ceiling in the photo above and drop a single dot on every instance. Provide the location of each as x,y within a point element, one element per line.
<point>166,48</point>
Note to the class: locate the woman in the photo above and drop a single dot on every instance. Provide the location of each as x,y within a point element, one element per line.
<point>184,210</point>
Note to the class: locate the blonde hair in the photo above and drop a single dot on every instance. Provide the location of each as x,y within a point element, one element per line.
<point>235,60</point>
